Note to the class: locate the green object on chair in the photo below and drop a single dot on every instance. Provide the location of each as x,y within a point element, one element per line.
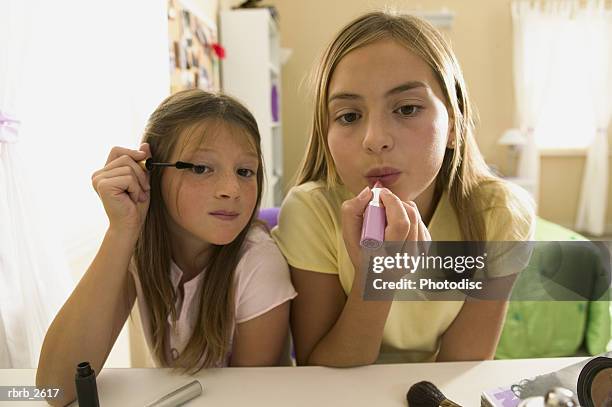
<point>554,328</point>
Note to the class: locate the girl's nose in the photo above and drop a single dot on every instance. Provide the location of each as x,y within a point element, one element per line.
<point>228,187</point>
<point>377,138</point>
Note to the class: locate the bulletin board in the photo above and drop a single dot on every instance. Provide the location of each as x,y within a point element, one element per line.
<point>194,51</point>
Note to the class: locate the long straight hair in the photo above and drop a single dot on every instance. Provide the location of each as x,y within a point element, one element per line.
<point>463,167</point>
<point>177,115</point>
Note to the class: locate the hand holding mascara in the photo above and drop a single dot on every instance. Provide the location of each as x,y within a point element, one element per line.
<point>124,188</point>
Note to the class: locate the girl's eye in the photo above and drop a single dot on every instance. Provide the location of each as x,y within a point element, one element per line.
<point>348,118</point>
<point>200,169</point>
<point>245,172</point>
<point>408,110</point>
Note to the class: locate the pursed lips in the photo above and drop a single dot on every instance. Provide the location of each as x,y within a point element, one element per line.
<point>381,171</point>
<point>384,175</point>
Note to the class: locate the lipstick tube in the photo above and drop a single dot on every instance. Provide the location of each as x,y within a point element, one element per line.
<point>374,222</point>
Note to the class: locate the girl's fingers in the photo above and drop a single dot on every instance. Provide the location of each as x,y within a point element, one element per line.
<point>110,173</point>
<point>398,221</point>
<point>116,172</point>
<point>117,152</point>
<point>424,238</point>
<point>146,148</point>
<point>413,215</point>
<point>127,162</point>
<point>118,185</point>
<point>352,220</point>
<point>353,209</point>
<point>424,233</point>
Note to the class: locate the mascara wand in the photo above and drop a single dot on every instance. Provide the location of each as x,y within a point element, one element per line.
<point>148,164</point>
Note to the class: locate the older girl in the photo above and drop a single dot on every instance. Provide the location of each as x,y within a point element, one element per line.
<point>391,106</point>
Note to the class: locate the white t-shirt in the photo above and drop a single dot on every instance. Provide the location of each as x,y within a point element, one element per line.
<point>261,283</point>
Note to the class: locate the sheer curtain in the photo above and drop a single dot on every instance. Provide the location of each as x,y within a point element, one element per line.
<point>33,278</point>
<point>562,52</point>
<point>536,26</point>
<point>596,29</point>
<point>75,80</point>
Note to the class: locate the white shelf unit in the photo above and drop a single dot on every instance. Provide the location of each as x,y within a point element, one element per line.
<point>249,72</point>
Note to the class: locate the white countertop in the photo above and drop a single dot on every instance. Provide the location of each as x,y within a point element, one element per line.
<point>376,385</point>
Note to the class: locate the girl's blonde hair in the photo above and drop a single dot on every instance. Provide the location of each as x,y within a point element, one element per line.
<point>183,113</point>
<point>463,168</point>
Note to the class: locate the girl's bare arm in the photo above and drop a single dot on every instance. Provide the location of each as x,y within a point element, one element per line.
<point>87,326</point>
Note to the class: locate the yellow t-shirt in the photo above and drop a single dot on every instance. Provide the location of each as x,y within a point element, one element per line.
<point>309,235</point>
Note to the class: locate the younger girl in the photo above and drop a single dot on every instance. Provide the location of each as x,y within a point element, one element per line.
<point>212,287</point>
<point>391,106</point>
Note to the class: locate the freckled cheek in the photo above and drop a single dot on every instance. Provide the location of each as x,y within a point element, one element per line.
<point>193,201</point>
<point>249,194</point>
<point>344,152</point>
<point>169,191</point>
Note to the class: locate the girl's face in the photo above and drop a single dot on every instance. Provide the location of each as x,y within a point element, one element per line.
<point>214,206</point>
<point>387,120</point>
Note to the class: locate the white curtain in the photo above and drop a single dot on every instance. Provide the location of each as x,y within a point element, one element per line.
<point>33,283</point>
<point>34,277</point>
<point>549,37</point>
<point>536,26</point>
<point>596,28</point>
<point>75,79</point>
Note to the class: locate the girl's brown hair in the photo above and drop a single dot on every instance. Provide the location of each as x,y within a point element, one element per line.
<point>463,168</point>
<point>183,113</point>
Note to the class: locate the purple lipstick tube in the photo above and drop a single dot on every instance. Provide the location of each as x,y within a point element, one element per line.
<point>374,222</point>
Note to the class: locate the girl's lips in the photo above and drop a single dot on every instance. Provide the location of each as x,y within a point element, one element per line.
<point>387,180</point>
<point>223,216</point>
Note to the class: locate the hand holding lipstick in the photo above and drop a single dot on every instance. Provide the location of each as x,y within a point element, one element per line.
<point>402,221</point>
<point>374,222</point>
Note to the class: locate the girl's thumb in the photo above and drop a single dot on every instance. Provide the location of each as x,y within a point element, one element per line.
<point>365,193</point>
<point>146,148</point>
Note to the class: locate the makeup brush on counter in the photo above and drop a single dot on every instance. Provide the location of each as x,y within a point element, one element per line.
<point>426,394</point>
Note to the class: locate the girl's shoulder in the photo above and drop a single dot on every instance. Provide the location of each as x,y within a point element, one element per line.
<point>310,187</point>
<point>259,248</point>
<point>257,236</point>
<point>500,193</point>
<point>317,195</point>
<point>262,278</point>
<point>314,189</point>
<point>508,209</point>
